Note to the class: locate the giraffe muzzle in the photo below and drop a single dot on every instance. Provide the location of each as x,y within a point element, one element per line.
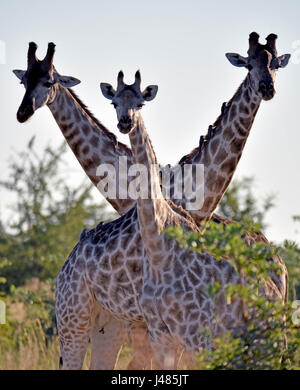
<point>24,113</point>
<point>267,90</point>
<point>125,125</point>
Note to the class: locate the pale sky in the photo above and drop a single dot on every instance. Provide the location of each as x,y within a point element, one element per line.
<point>180,46</point>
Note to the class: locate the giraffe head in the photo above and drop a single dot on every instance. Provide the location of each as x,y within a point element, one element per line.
<point>128,100</point>
<point>39,80</point>
<point>262,63</point>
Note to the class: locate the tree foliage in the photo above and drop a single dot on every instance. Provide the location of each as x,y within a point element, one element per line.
<point>48,216</point>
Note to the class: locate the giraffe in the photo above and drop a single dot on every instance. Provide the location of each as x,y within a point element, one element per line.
<point>173,300</point>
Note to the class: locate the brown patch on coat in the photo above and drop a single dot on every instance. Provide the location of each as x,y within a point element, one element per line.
<point>86,130</point>
<point>237,145</point>
<point>228,133</point>
<point>229,165</point>
<point>246,122</point>
<point>220,157</point>
<point>94,141</point>
<point>243,109</point>
<point>241,131</point>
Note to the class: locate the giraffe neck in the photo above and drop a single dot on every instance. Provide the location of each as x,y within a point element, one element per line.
<point>89,140</point>
<point>153,210</point>
<point>221,149</point>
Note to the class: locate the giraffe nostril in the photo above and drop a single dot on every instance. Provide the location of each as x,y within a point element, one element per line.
<point>125,124</point>
<point>262,87</point>
<point>125,120</point>
<point>271,88</point>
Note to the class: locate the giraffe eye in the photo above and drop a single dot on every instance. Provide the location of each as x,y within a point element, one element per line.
<point>48,84</point>
<point>140,105</point>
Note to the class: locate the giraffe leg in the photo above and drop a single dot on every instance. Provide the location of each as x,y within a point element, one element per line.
<point>164,355</point>
<point>74,323</point>
<point>107,336</point>
<point>165,350</point>
<point>142,353</point>
<point>143,358</point>
<point>73,351</point>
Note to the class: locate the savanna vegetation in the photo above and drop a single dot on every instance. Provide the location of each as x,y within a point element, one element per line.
<point>45,222</point>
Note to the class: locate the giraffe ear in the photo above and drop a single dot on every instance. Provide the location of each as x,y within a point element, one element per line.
<point>66,81</point>
<point>107,90</point>
<point>237,60</point>
<point>150,92</point>
<point>283,60</point>
<point>19,73</point>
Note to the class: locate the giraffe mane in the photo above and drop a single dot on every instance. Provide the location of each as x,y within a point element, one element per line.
<point>213,129</point>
